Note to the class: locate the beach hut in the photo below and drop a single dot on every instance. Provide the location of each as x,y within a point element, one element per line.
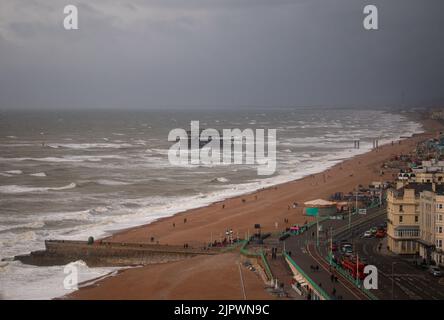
<point>320,207</point>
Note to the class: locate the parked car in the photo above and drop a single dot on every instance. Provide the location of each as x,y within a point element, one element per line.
<point>373,230</point>
<point>347,249</point>
<point>334,247</point>
<point>367,234</point>
<point>435,271</point>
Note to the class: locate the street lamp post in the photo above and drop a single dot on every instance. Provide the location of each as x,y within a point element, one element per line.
<point>356,204</point>
<point>331,245</point>
<point>317,230</point>
<point>349,214</point>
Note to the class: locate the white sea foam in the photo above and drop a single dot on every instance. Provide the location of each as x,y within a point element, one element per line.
<point>30,225</point>
<point>14,172</point>
<point>220,179</point>
<point>19,281</point>
<point>38,174</point>
<point>5,174</point>
<point>81,158</point>
<point>106,182</point>
<point>81,146</point>
<point>13,189</point>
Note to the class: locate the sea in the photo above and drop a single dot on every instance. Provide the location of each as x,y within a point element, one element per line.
<point>75,174</point>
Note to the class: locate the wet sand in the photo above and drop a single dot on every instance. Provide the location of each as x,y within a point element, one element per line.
<point>267,207</point>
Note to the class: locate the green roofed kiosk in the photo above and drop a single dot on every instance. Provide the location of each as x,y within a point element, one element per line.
<point>320,207</point>
<point>317,208</point>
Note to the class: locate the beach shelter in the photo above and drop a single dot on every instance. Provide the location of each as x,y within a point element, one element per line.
<point>320,207</point>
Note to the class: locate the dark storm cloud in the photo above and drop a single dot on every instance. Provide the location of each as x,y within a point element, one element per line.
<point>141,54</point>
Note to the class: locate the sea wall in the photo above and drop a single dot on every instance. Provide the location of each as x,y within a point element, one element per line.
<point>101,254</point>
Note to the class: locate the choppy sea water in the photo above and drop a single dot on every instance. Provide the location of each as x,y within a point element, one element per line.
<point>70,175</point>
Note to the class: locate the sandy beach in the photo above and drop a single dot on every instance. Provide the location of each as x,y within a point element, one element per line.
<point>217,277</point>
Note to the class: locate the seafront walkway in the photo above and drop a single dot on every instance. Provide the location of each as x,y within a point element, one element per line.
<point>282,273</point>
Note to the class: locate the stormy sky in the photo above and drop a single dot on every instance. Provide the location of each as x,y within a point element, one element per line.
<point>216,53</point>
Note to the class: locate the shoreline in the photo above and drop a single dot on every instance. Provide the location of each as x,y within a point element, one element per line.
<point>121,234</point>
<point>413,116</point>
<point>266,206</point>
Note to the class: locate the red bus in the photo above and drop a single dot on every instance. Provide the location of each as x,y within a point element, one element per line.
<point>349,265</point>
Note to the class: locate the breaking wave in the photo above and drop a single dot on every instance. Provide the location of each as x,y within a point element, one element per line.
<point>13,189</point>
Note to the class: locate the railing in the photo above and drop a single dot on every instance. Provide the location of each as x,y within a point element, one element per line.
<point>232,246</point>
<point>304,228</point>
<point>267,266</point>
<point>313,284</point>
<point>261,254</point>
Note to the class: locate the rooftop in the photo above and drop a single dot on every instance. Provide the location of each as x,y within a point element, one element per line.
<point>319,202</point>
<point>419,187</point>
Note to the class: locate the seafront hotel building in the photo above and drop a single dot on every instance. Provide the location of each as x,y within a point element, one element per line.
<point>415,221</point>
<point>432,226</point>
<point>403,218</point>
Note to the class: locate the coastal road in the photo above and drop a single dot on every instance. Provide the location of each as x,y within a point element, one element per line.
<point>304,253</point>
<point>409,282</point>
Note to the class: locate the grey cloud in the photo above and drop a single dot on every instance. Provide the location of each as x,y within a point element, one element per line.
<point>220,52</point>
